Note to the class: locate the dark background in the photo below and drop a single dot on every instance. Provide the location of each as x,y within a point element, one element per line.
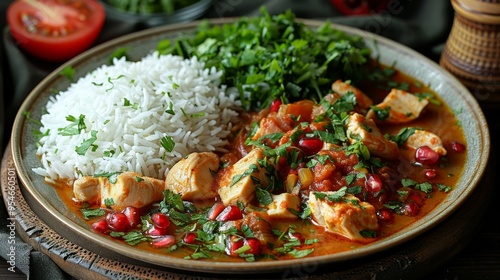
<point>422,25</point>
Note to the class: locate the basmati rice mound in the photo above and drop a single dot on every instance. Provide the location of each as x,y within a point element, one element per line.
<point>132,106</point>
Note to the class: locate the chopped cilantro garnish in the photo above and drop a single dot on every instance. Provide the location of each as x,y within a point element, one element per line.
<point>381,113</point>
<point>109,202</point>
<point>112,176</point>
<point>68,72</point>
<point>82,149</point>
<point>90,213</point>
<point>167,142</point>
<point>263,196</point>
<point>403,135</point>
<point>75,126</point>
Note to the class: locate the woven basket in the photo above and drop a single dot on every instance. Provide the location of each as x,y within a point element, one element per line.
<point>472,51</point>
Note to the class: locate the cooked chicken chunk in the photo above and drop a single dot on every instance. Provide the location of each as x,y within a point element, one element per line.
<point>364,102</point>
<point>362,129</point>
<point>130,189</point>
<point>282,204</point>
<point>347,218</point>
<point>320,109</point>
<point>86,189</point>
<point>238,183</point>
<point>421,138</point>
<point>274,123</point>
<point>192,176</point>
<point>398,106</point>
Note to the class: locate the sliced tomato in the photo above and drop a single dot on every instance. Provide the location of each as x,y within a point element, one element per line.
<point>55,30</point>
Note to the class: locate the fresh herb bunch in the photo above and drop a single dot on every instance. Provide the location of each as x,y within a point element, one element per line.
<point>276,56</point>
<point>150,6</point>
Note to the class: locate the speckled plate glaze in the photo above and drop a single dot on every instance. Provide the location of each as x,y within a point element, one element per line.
<point>54,212</point>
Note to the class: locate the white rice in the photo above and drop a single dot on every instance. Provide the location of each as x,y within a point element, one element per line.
<point>202,119</point>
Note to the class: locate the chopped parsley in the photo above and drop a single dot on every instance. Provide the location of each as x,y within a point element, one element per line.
<point>76,126</point>
<point>167,142</point>
<point>68,72</point>
<point>381,113</point>
<point>82,149</point>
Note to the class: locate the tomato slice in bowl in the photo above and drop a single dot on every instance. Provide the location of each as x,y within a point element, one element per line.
<point>55,30</point>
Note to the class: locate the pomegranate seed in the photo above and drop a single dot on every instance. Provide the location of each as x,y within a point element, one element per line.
<point>415,197</point>
<point>410,209</point>
<point>190,237</point>
<point>215,210</point>
<point>230,213</point>
<point>297,236</point>
<point>275,105</point>
<point>100,226</point>
<point>133,216</point>
<point>426,155</point>
<point>254,244</point>
<point>282,161</point>
<point>117,221</point>
<point>373,183</point>
<point>385,215</point>
<point>430,173</point>
<point>156,231</point>
<point>310,146</point>
<point>160,220</point>
<point>233,243</point>
<point>457,147</point>
<point>163,241</point>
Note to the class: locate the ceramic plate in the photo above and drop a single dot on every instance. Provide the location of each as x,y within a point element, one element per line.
<point>54,212</point>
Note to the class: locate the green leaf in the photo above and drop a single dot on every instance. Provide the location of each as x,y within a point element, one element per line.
<point>90,213</point>
<point>82,149</point>
<point>407,182</point>
<point>68,72</point>
<point>381,113</point>
<point>300,253</point>
<point>135,237</point>
<point>369,233</point>
<point>119,53</point>
<point>109,202</point>
<point>444,188</point>
<point>426,187</point>
<point>263,196</point>
<point>167,142</point>
<point>403,135</point>
<point>112,176</point>
<point>75,127</point>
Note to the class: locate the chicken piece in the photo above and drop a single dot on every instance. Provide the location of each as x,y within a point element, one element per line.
<point>192,176</point>
<point>398,106</point>
<point>272,124</point>
<point>320,108</point>
<point>86,189</point>
<point>130,189</point>
<point>238,183</point>
<point>421,138</point>
<point>282,204</point>
<point>364,102</point>
<point>347,217</point>
<point>362,129</point>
